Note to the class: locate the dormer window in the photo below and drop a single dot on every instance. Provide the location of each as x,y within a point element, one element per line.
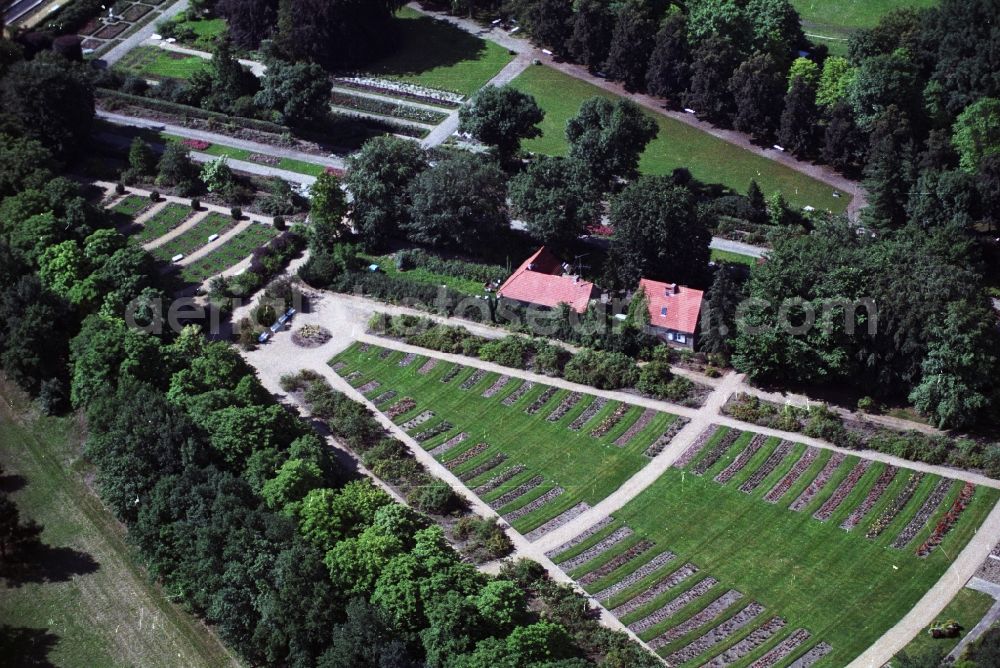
<point>663,312</point>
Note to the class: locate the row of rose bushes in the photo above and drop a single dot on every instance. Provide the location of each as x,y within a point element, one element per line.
<point>600,369</point>
<point>387,108</point>
<point>820,422</point>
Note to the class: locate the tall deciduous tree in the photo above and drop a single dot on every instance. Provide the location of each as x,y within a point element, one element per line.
<point>799,119</point>
<point>757,85</point>
<point>501,117</point>
<point>557,198</point>
<point>460,202</point>
<point>657,233</point>
<point>379,178</point>
<point>298,92</point>
<point>249,21</point>
<point>669,72</point>
<point>609,137</point>
<point>548,22</point>
<point>631,46</point>
<point>336,33</point>
<point>327,208</point>
<point>977,132</point>
<point>590,34</point>
<point>843,142</point>
<point>712,65</point>
<point>775,28</point>
<point>834,81</point>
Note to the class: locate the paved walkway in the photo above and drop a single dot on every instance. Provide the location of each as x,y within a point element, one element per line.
<point>117,53</point>
<point>525,48</point>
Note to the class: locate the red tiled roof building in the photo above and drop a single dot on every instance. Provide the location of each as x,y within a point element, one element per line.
<point>673,311</point>
<point>543,280</point>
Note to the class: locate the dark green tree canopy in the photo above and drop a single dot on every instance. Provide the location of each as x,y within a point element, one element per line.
<point>557,198</point>
<point>609,137</point>
<point>501,117</point>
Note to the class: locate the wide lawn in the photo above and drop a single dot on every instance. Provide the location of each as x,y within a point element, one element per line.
<point>196,237</point>
<point>733,258</point>
<point>235,250</point>
<point>423,275</point>
<point>588,468</point>
<point>206,31</point>
<point>87,603</point>
<point>845,589</point>
<point>156,63</point>
<point>709,159</point>
<point>837,19</point>
<point>433,53</point>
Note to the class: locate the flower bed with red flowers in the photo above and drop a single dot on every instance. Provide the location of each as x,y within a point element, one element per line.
<point>765,469</point>
<point>490,464</point>
<point>471,453</point>
<point>923,515</point>
<point>517,492</point>
<point>949,520</point>
<point>715,454</point>
<point>818,483</point>
<point>498,480</point>
<point>874,494</point>
<point>843,489</point>
<point>890,512</point>
<point>608,423</point>
<point>402,406</point>
<point>671,608</point>
<point>719,634</point>
<point>628,555</point>
<point>741,460</point>
<point>533,505</point>
<point>450,444</point>
<point>522,390</point>
<point>714,609</point>
<point>796,472</point>
<point>637,426</point>
<point>196,144</point>
<point>638,574</point>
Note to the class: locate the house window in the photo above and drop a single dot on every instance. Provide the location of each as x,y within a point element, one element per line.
<point>663,312</point>
<point>681,338</point>
<point>670,336</point>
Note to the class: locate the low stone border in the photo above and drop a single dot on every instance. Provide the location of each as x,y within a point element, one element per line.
<point>590,411</point>
<point>716,453</point>
<point>565,406</point>
<point>559,520</point>
<point>522,390</point>
<point>471,453</point>
<point>741,460</point>
<point>436,430</point>
<point>579,538</point>
<point>797,471</point>
<point>428,366</point>
<point>647,569</point>
<point>812,656</point>
<point>402,406</point>
<point>490,464</point>
<point>542,399</point>
<point>757,637</point>
<point>776,457</point>
<point>534,505</point>
<point>782,649</point>
<point>818,483</point>
<point>452,372</point>
<point>499,479</point>
<point>617,536</point>
<point>369,386</point>
<point>500,383</point>
<point>454,442</point>
<point>845,487</point>
<point>610,422</point>
<point>674,606</point>
<point>476,376</point>
<point>874,494</point>
<point>614,564</point>
<point>926,510</point>
<point>888,514</point>
<point>517,492</point>
<point>714,609</point>
<point>641,423</point>
<point>661,443</point>
<point>720,633</point>
<point>692,450</point>
<point>417,421</point>
<point>661,587</point>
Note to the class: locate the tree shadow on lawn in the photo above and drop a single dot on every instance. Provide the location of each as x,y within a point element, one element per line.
<point>425,43</point>
<point>26,647</point>
<point>32,561</point>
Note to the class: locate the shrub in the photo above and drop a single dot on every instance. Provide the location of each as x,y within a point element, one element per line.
<point>236,212</point>
<point>154,196</point>
<point>436,497</point>
<point>866,404</point>
<point>279,223</point>
<point>120,188</point>
<point>264,315</point>
<point>549,358</point>
<point>655,378</point>
<point>511,350</point>
<point>607,371</point>
<point>195,204</point>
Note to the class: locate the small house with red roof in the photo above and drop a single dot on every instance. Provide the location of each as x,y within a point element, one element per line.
<point>674,311</point>
<point>545,281</point>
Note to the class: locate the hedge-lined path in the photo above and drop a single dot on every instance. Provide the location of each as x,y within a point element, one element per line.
<point>525,48</point>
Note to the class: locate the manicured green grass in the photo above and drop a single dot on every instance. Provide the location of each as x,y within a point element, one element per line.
<point>132,206</point>
<point>156,63</point>
<point>967,608</point>
<point>422,275</point>
<point>206,31</point>
<point>234,251</point>
<point>162,222</point>
<point>107,615</point>
<point>587,468</point>
<point>845,589</point>
<point>709,159</point>
<point>194,238</point>
<point>732,258</point>
<point>438,55</point>
<point>837,19</point>
<point>288,164</point>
